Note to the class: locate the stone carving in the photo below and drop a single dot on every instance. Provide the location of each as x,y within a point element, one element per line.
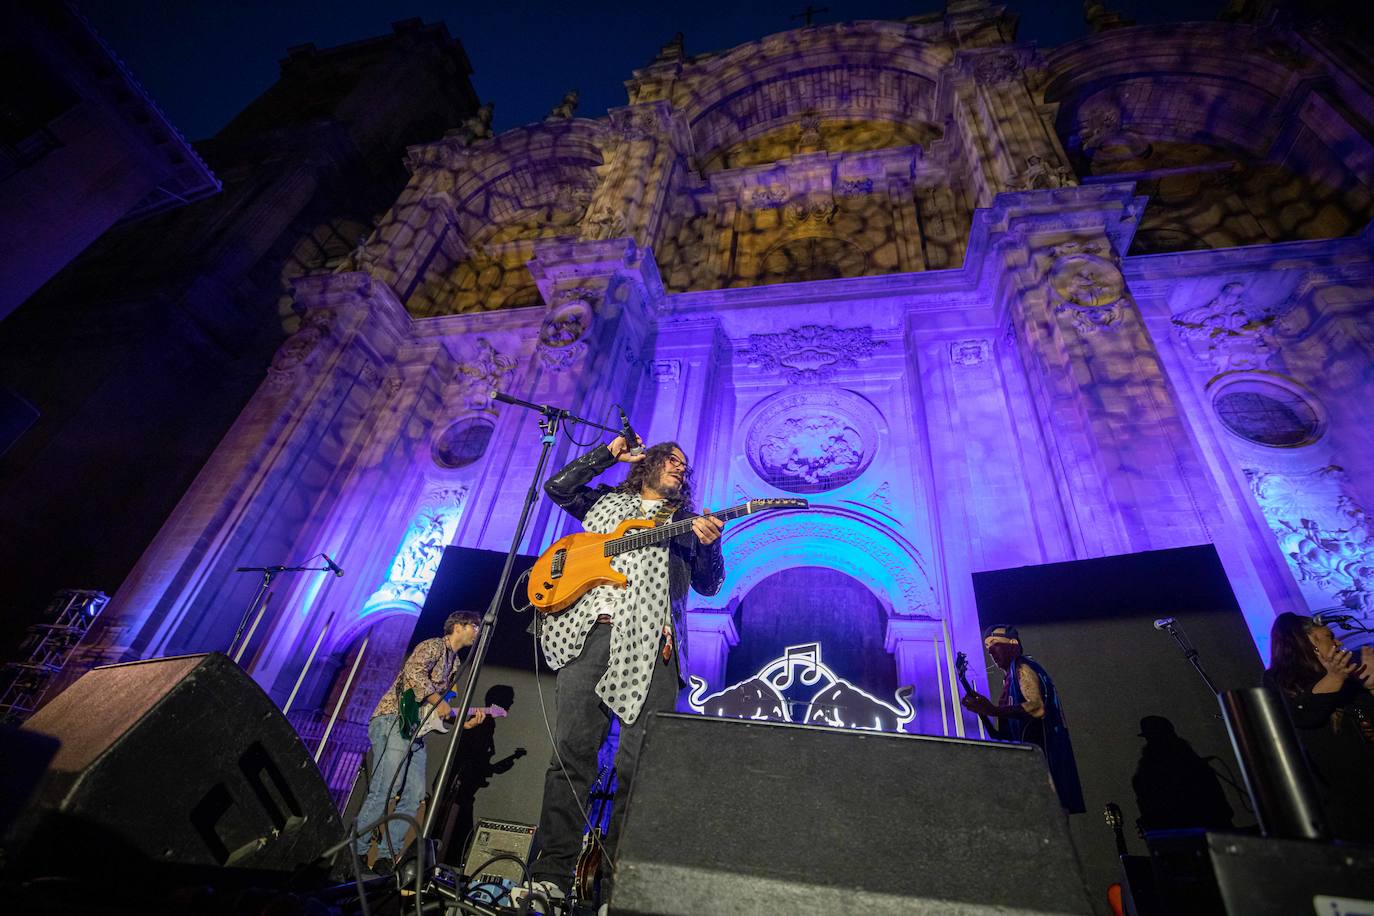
<point>814,441</point>
<point>769,198</point>
<point>815,449</point>
<point>569,294</point>
<point>994,69</point>
<point>812,353</point>
<point>666,371</point>
<point>565,108</point>
<point>1229,332</point>
<point>1038,175</point>
<point>807,214</point>
<point>850,187</point>
<point>965,354</point>
<point>392,386</point>
<point>359,259</point>
<point>882,497</point>
<point>297,348</point>
<point>561,335</point>
<point>605,223</point>
<point>909,576</point>
<point>422,547</point>
<point>566,325</point>
<point>809,141</point>
<point>570,197</point>
<point>370,375</point>
<point>1090,288</point>
<point>638,123</point>
<point>486,371</point>
<point>1324,531</point>
<point>475,127</point>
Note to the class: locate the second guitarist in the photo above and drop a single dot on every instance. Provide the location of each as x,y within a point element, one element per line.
<point>618,651</point>
<point>397,764</point>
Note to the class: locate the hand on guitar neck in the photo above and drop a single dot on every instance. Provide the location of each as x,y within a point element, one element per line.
<point>974,701</point>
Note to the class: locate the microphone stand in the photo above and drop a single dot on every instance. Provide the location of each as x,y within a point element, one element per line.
<point>548,425</point>
<point>1189,652</point>
<point>268,572</point>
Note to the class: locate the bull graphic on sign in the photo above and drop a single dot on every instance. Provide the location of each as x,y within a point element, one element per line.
<point>836,702</point>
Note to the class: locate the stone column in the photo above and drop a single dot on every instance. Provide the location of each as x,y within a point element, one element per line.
<point>710,637</point>
<point>1008,144</point>
<point>1128,475</point>
<point>917,646</point>
<point>651,147</point>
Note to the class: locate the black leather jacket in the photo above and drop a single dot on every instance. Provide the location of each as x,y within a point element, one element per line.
<point>690,563</point>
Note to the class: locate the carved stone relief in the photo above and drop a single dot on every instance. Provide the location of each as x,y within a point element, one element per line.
<point>1089,287</point>
<point>422,547</point>
<point>297,348</point>
<point>813,441</point>
<point>966,354</point>
<point>811,354</point>
<point>1039,175</point>
<point>917,596</point>
<point>487,370</point>
<point>1323,529</point>
<point>562,335</point>
<point>994,69</point>
<point>1229,331</point>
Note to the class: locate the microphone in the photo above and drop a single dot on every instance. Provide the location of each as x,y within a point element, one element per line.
<point>1164,623</point>
<point>333,567</point>
<point>1322,620</point>
<point>629,434</point>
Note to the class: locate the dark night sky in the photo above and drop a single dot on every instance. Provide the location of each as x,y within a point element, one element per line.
<point>204,60</point>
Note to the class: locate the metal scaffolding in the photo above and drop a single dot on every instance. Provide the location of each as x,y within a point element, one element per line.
<point>46,650</point>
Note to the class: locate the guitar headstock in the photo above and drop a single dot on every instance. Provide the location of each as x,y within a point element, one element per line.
<point>784,502</point>
<point>960,663</point>
<point>1112,815</point>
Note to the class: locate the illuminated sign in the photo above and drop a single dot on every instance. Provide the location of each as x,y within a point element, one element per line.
<point>770,695</point>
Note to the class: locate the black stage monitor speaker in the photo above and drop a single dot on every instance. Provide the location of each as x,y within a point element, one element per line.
<point>181,761</point>
<point>729,816</point>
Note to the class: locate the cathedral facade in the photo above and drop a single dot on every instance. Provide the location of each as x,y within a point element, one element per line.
<point>984,305</point>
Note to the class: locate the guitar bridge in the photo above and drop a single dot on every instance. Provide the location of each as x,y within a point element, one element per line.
<point>556,564</point>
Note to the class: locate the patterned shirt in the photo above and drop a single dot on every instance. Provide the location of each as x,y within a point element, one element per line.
<point>426,671</point>
<point>639,611</point>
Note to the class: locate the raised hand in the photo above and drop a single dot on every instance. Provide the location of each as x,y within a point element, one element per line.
<point>620,450</point>
<point>1336,661</point>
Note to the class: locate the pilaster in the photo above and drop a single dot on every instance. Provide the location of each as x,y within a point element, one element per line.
<point>917,648</point>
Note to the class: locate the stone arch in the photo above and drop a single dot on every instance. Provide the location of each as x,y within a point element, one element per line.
<point>863,549</point>
<point>879,71</point>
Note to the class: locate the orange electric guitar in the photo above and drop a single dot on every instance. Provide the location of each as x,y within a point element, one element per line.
<point>574,565</point>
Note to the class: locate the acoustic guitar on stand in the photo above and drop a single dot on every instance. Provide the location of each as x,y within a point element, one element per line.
<point>578,563</point>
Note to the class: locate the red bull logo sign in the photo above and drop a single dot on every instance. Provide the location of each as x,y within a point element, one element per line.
<point>799,687</point>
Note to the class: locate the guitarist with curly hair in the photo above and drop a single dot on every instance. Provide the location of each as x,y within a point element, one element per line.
<point>619,650</point>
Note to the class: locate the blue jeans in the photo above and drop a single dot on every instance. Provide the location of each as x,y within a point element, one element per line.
<point>389,755</point>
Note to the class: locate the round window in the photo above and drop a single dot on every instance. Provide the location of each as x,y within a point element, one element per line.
<point>1268,414</point>
<point>462,443</point>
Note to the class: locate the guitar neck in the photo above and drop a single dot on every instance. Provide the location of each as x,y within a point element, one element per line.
<point>667,532</point>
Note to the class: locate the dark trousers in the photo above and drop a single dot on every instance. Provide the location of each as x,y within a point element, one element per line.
<point>583,722</point>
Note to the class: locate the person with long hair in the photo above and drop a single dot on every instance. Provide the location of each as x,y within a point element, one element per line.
<point>1330,698</point>
<point>619,651</point>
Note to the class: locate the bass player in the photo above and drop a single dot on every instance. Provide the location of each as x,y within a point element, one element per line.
<point>619,651</point>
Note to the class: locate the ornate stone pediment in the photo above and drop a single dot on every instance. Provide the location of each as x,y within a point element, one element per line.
<point>812,353</point>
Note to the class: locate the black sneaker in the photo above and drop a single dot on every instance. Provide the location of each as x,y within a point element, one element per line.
<point>383,866</point>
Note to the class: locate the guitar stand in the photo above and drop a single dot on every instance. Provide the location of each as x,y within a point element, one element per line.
<point>548,425</point>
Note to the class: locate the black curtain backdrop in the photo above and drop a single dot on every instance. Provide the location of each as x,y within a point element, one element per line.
<point>1090,623</point>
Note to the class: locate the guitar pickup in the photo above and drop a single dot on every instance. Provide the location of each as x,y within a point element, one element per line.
<point>556,564</point>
